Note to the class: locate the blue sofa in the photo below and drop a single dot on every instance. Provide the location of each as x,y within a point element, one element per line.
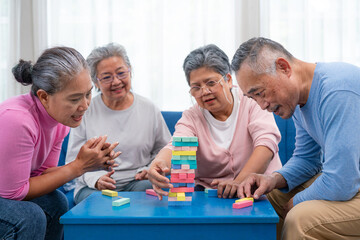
<point>286,146</point>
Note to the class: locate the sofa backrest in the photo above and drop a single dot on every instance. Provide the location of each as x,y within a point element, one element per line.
<point>286,127</point>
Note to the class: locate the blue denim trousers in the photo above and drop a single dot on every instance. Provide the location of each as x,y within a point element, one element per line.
<point>35,219</point>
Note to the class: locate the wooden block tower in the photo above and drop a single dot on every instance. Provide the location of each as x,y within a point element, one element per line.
<point>183,165</point>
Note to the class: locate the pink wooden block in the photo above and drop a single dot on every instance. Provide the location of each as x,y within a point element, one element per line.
<point>185,148</point>
<point>178,180</point>
<point>151,192</point>
<point>174,175</point>
<point>191,175</point>
<point>172,199</point>
<point>182,171</point>
<point>182,175</point>
<point>243,204</point>
<point>185,166</point>
<point>188,198</point>
<point>182,189</point>
<point>177,148</point>
<point>192,149</point>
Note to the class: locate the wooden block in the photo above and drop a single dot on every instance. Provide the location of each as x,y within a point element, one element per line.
<point>185,144</point>
<point>151,192</point>
<point>183,175</point>
<point>172,194</point>
<point>176,166</point>
<point>191,153</point>
<point>174,175</point>
<point>242,204</point>
<point>189,139</point>
<point>193,162</point>
<point>245,199</point>
<point>182,189</point>
<point>211,192</point>
<point>182,171</point>
<point>191,175</point>
<point>190,185</point>
<point>120,202</point>
<point>172,199</point>
<point>177,139</point>
<point>177,180</point>
<point>109,193</point>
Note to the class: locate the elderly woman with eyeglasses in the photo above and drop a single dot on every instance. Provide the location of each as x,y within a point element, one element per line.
<point>236,137</point>
<point>125,117</point>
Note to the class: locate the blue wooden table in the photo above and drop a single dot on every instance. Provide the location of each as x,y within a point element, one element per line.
<point>148,218</point>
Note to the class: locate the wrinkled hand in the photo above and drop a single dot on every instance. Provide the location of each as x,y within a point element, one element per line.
<point>96,154</point>
<point>226,188</point>
<point>106,182</point>
<point>156,175</point>
<point>143,175</point>
<point>256,185</point>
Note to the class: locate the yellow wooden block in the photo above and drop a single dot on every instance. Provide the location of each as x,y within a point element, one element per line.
<point>189,153</point>
<point>109,193</point>
<point>181,194</point>
<point>172,194</point>
<point>181,198</point>
<point>243,199</point>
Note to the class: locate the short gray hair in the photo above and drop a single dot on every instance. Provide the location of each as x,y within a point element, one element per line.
<point>260,53</point>
<point>209,56</point>
<point>104,52</point>
<point>52,71</point>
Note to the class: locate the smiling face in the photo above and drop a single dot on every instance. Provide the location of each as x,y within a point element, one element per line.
<point>117,90</point>
<point>69,105</point>
<point>213,98</point>
<point>273,92</point>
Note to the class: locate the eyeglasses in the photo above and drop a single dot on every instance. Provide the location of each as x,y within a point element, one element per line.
<point>109,78</point>
<point>196,91</point>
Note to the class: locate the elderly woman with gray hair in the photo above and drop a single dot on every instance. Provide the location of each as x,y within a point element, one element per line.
<point>33,127</point>
<point>125,117</point>
<point>235,136</point>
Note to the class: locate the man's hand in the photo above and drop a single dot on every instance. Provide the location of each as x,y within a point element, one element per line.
<point>256,185</point>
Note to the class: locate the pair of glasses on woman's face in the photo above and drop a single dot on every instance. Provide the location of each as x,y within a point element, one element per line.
<point>196,91</point>
<point>109,78</point>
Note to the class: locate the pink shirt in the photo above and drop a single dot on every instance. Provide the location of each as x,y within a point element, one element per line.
<point>30,143</point>
<point>254,127</point>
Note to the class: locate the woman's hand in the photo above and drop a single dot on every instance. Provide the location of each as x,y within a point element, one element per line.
<point>157,171</point>
<point>106,182</point>
<point>96,154</point>
<point>143,175</point>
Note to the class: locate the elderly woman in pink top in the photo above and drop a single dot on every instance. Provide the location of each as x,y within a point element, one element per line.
<point>33,127</point>
<point>235,136</point>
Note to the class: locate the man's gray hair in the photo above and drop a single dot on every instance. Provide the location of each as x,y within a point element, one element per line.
<point>209,56</point>
<point>104,52</point>
<point>260,54</point>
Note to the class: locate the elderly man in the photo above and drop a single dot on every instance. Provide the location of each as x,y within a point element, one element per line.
<point>316,193</point>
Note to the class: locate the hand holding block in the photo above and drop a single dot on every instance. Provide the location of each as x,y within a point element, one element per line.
<point>109,193</point>
<point>242,204</point>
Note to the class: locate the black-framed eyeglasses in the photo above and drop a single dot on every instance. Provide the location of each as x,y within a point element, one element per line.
<point>109,78</point>
<point>196,91</point>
